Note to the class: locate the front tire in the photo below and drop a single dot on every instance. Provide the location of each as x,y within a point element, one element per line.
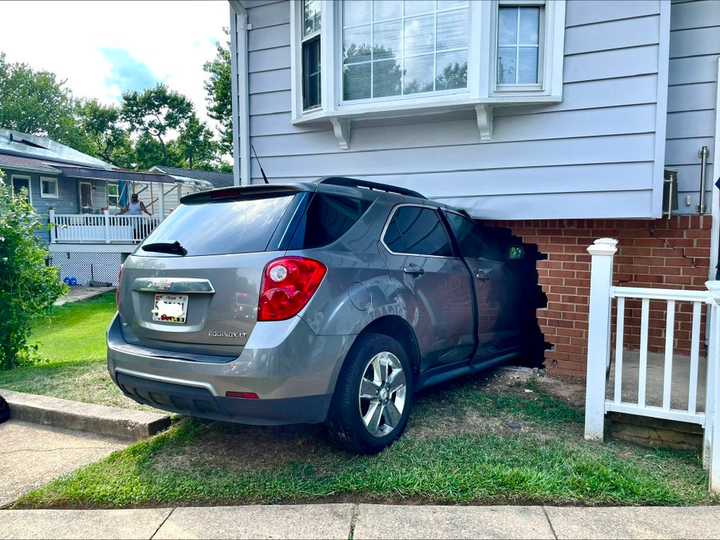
<point>373,396</point>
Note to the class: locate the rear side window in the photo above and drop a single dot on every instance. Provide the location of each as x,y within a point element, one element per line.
<point>218,228</point>
<point>418,231</point>
<point>328,217</point>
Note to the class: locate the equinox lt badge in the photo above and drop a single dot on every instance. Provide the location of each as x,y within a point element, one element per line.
<point>226,333</point>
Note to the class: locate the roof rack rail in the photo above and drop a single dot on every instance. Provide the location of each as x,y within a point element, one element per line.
<point>354,182</point>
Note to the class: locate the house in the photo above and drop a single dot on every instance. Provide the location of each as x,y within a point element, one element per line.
<point>207,179</point>
<point>558,119</point>
<point>79,197</point>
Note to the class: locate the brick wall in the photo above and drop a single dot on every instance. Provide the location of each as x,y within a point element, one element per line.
<point>651,253</point>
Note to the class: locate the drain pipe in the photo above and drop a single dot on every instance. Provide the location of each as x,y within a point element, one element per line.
<point>703,155</point>
<point>239,27</point>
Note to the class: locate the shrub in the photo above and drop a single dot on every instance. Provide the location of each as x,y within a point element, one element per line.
<point>28,287</point>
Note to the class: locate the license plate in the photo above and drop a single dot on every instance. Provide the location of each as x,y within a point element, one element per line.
<point>171,308</point>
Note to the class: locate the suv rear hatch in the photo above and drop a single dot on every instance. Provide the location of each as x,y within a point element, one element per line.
<point>193,285</point>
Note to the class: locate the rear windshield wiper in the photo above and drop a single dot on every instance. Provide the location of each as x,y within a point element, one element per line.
<point>174,248</point>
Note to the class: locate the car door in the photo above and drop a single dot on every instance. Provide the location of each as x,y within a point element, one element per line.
<point>435,292</point>
<point>486,261</point>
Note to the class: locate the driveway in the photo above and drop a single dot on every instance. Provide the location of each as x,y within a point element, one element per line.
<point>32,455</point>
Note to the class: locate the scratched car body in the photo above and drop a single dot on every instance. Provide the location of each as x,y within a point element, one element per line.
<point>329,301</point>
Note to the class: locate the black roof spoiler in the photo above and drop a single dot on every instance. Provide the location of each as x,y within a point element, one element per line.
<point>354,182</point>
<point>244,192</point>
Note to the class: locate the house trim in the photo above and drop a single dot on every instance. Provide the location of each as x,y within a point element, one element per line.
<point>481,92</point>
<point>661,108</point>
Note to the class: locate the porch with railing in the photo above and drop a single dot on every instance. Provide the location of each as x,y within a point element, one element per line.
<point>100,228</point>
<point>650,371</point>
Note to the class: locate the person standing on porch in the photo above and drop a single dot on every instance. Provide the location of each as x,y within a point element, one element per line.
<point>136,208</point>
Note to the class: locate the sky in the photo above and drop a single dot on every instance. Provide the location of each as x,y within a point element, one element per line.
<point>106,48</point>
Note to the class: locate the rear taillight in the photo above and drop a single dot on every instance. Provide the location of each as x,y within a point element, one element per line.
<point>117,289</point>
<point>287,286</point>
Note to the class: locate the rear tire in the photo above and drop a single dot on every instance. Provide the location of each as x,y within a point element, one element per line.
<point>373,395</point>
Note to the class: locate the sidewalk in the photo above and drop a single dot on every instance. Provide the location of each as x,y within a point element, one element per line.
<point>365,521</point>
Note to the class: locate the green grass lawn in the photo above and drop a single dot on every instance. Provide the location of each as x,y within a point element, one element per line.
<point>471,441</point>
<point>71,344</point>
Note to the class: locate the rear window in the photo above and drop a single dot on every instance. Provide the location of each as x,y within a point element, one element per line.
<point>328,217</point>
<point>218,228</point>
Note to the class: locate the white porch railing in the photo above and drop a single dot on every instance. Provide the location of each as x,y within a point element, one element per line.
<point>599,355</point>
<point>100,228</point>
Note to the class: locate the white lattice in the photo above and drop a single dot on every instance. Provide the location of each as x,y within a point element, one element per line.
<point>85,267</point>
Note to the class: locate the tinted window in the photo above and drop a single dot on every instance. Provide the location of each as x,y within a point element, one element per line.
<point>217,228</point>
<point>473,240</point>
<point>328,217</point>
<point>417,230</point>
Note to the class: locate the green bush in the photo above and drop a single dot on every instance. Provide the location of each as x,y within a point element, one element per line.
<point>28,287</point>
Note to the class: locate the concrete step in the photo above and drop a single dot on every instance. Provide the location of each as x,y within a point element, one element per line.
<point>125,424</point>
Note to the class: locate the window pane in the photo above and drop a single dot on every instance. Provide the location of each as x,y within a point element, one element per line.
<point>507,22</point>
<point>311,73</point>
<point>451,71</point>
<point>356,12</point>
<point>356,44</point>
<point>311,16</point>
<point>386,78</point>
<point>387,9</point>
<point>467,235</point>
<point>356,81</point>
<point>528,68</point>
<point>328,217</point>
<point>452,29</point>
<point>450,4</point>
<point>506,65</point>
<point>387,38</point>
<point>529,25</point>
<point>419,35</point>
<point>415,7</point>
<point>418,231</point>
<point>419,74</point>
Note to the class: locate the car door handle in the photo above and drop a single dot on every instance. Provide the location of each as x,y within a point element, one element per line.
<point>482,275</point>
<point>413,269</point>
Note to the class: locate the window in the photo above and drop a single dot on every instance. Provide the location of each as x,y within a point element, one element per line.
<point>474,240</point>
<point>518,46</point>
<point>113,195</point>
<point>311,54</point>
<point>238,226</point>
<point>328,218</point>
<point>21,186</point>
<point>417,230</point>
<point>403,47</point>
<point>48,187</point>
<point>384,57</point>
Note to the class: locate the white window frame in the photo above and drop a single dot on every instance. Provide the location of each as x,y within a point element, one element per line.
<point>54,180</point>
<point>482,91</point>
<point>21,177</point>
<point>107,194</point>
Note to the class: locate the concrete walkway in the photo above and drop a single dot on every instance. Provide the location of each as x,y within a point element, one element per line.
<point>77,294</point>
<point>32,455</point>
<point>365,521</point>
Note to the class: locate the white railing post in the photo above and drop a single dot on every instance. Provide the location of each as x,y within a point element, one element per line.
<point>51,226</point>
<point>106,220</point>
<point>711,446</point>
<point>598,356</point>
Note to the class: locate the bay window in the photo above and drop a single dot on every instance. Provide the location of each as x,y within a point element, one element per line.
<point>360,58</point>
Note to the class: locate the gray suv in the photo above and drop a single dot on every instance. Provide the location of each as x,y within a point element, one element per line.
<point>330,301</point>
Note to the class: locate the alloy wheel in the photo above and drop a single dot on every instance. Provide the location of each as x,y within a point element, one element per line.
<point>382,394</point>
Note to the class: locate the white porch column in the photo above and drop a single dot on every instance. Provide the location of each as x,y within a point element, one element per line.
<point>162,201</point>
<point>51,226</point>
<point>598,356</point>
<point>711,446</point>
<point>106,220</point>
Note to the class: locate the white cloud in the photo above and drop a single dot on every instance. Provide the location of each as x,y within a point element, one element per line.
<point>173,39</point>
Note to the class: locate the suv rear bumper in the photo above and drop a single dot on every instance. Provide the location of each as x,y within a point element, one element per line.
<point>290,368</point>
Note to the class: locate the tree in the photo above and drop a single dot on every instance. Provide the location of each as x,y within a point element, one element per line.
<point>195,147</point>
<point>28,287</point>
<point>35,102</point>
<point>157,112</point>
<point>106,137</point>
<point>219,94</point>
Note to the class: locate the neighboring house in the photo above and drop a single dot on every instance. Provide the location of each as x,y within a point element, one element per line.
<point>557,119</point>
<point>78,197</point>
<point>205,179</point>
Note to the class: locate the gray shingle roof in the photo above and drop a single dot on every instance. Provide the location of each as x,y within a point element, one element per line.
<point>41,148</point>
<point>217,179</point>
